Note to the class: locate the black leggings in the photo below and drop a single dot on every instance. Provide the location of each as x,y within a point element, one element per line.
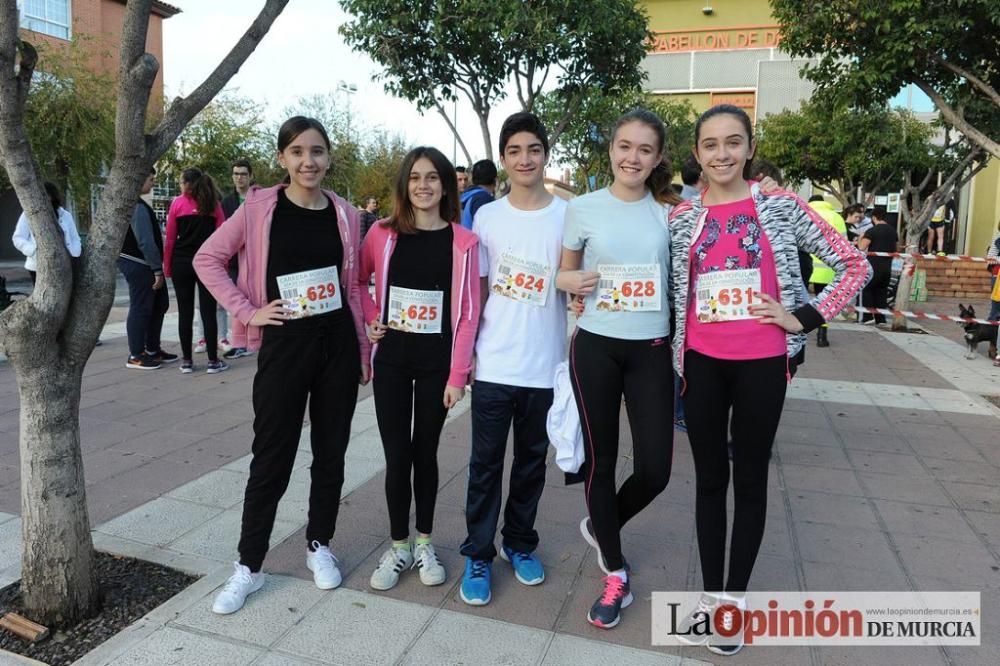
<point>404,395</point>
<point>185,281</point>
<point>755,392</point>
<point>603,369</point>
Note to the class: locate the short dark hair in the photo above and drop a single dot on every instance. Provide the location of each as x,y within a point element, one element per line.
<point>690,171</point>
<point>880,213</point>
<point>816,197</point>
<point>244,163</point>
<point>523,121</point>
<point>460,169</point>
<point>761,169</point>
<point>854,208</point>
<point>484,172</point>
<point>403,220</point>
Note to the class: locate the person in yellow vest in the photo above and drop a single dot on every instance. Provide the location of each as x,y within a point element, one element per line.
<point>822,274</point>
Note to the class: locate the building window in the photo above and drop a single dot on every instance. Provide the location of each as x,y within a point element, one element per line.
<point>49,17</point>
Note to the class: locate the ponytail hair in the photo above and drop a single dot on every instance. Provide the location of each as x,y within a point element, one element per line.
<point>659,180</point>
<point>741,116</point>
<point>202,189</point>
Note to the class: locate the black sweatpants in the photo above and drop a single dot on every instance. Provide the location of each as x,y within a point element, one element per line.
<point>323,367</point>
<point>603,369</point>
<point>755,392</point>
<point>876,292</point>
<point>405,395</point>
<point>185,281</point>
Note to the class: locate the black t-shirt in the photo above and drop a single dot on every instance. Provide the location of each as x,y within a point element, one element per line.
<point>420,261</point>
<point>883,238</point>
<point>303,239</point>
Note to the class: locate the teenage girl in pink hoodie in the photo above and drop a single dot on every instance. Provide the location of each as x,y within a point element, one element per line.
<point>297,300</point>
<point>423,322</point>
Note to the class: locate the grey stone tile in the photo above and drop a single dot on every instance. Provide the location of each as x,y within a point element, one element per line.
<point>221,488</point>
<point>825,576</point>
<point>840,544</point>
<point>265,617</point>
<point>10,544</point>
<point>105,500</point>
<point>174,647</point>
<point>836,481</point>
<point>952,447</point>
<point>986,524</point>
<point>884,443</point>
<point>409,587</point>
<point>904,489</point>
<point>884,656</point>
<point>571,651</point>
<point>888,463</point>
<point>366,629</point>
<point>962,471</point>
<point>975,497</point>
<point>484,641</point>
<point>807,435</point>
<point>217,537</point>
<point>281,659</point>
<point>963,564</point>
<point>159,522</point>
<point>101,464</point>
<point>831,509</point>
<point>802,454</point>
<point>903,518</point>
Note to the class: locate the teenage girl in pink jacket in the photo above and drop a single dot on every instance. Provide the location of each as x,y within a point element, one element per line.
<point>297,300</point>
<point>423,322</point>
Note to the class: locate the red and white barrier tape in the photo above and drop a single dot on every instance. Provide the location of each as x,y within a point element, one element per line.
<point>920,315</point>
<point>934,257</point>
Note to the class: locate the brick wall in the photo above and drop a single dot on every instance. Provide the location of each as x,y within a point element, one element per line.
<point>956,279</point>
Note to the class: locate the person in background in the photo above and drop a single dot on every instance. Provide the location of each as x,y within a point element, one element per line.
<point>484,183</point>
<point>881,237</point>
<point>192,218</point>
<point>853,216</point>
<point>242,175</point>
<point>694,183</point>
<point>463,178</point>
<point>936,231</point>
<point>822,275</point>
<point>993,256</point>
<point>24,241</point>
<point>141,262</point>
<point>369,216</point>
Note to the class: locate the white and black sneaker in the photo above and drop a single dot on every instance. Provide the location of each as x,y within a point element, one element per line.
<point>727,645</point>
<point>428,564</point>
<point>323,564</point>
<point>700,616</point>
<point>390,565</point>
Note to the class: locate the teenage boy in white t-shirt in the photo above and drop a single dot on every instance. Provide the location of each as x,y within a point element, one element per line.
<point>522,338</point>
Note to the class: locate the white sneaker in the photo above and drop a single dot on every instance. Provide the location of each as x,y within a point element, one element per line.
<point>201,347</point>
<point>427,562</point>
<point>224,345</point>
<point>390,565</point>
<point>236,590</point>
<point>323,564</point>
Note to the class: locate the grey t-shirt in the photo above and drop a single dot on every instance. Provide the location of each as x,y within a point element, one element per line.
<point>627,239</point>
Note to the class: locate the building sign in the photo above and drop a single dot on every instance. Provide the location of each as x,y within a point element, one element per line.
<point>743,100</point>
<point>749,37</point>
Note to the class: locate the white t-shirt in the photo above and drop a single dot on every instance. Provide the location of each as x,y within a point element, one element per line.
<point>631,238</point>
<point>521,340</point>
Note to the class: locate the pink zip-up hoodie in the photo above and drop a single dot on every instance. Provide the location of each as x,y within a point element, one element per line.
<point>375,254</point>
<point>248,233</point>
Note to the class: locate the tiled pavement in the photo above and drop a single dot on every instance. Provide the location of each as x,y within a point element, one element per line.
<point>884,478</point>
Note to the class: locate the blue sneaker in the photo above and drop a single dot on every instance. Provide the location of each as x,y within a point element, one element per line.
<point>475,589</point>
<point>527,568</point>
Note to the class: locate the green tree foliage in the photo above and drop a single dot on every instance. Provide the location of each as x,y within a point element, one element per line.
<point>435,52</point>
<point>229,128</point>
<point>69,118</point>
<point>840,149</point>
<point>868,51</point>
<point>382,155</point>
<point>586,137</point>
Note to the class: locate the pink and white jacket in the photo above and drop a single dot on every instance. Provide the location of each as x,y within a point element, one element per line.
<point>247,234</point>
<point>375,254</point>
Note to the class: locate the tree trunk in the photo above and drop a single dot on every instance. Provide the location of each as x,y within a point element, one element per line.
<point>55,528</point>
<point>484,126</point>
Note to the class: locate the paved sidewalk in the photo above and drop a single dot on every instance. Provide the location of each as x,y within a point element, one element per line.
<point>883,478</point>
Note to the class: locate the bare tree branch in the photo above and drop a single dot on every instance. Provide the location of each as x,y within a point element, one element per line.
<point>977,82</point>
<point>957,120</point>
<point>182,111</point>
<point>454,131</point>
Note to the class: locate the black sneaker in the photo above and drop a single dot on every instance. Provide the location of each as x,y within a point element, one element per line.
<point>217,366</point>
<point>143,362</point>
<point>237,352</point>
<point>694,628</point>
<point>162,356</point>
<point>726,645</point>
<point>187,367</point>
<point>606,611</point>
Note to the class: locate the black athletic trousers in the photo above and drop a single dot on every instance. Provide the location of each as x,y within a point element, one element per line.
<point>755,392</point>
<point>404,396</point>
<point>876,292</point>
<point>185,282</point>
<point>321,366</point>
<point>603,369</point>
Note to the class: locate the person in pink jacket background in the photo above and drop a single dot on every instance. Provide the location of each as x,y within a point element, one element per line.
<point>423,323</point>
<point>296,300</point>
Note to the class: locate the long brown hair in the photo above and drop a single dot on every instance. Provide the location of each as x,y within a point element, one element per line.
<point>201,189</point>
<point>402,220</point>
<point>659,180</point>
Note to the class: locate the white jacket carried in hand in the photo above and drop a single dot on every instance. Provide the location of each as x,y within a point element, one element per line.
<point>563,423</point>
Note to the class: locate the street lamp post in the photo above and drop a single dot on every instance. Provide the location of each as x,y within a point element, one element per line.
<point>348,89</point>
